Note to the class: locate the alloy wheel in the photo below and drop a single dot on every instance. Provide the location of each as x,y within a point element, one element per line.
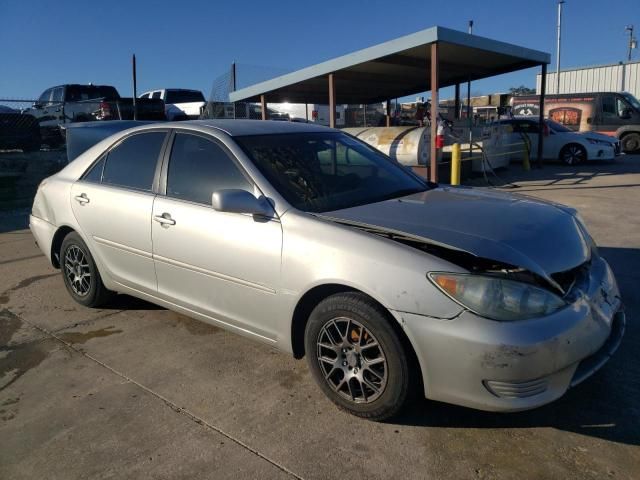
<point>77,270</point>
<point>573,154</point>
<point>352,360</point>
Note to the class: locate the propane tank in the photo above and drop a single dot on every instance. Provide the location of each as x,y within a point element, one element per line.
<point>407,145</point>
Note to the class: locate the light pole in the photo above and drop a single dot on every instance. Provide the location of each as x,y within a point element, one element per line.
<point>560,3</point>
<point>632,41</point>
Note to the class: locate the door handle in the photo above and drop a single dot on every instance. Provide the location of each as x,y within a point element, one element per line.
<point>164,219</point>
<point>82,198</point>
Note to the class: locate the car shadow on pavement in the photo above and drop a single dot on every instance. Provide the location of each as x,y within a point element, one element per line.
<point>127,302</point>
<point>557,176</point>
<point>604,406</point>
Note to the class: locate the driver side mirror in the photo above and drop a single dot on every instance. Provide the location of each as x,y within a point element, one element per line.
<point>234,200</point>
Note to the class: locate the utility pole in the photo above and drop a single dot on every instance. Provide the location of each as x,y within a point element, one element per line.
<point>135,87</point>
<point>560,3</point>
<point>632,41</point>
<point>469,116</point>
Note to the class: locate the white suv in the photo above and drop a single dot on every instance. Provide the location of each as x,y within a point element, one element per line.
<point>180,103</point>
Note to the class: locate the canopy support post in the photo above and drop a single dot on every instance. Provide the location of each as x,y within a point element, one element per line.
<point>332,101</point>
<point>388,113</point>
<point>263,107</point>
<point>433,170</point>
<point>543,88</point>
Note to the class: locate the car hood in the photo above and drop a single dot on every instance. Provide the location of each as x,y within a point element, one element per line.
<point>541,237</point>
<point>597,136</point>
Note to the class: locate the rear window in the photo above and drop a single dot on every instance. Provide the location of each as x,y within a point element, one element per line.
<point>132,163</point>
<point>76,93</point>
<point>184,96</point>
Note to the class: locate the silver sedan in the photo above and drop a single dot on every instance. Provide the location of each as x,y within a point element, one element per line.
<point>306,239</point>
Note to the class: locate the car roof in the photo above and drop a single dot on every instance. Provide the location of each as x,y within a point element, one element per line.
<point>252,127</point>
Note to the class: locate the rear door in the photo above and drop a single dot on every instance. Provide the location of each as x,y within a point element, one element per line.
<point>113,202</point>
<point>223,265</point>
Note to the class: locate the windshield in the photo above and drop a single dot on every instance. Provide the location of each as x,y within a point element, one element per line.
<point>557,127</point>
<point>632,100</point>
<point>321,172</point>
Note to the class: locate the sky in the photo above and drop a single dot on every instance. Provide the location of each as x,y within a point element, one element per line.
<point>190,43</point>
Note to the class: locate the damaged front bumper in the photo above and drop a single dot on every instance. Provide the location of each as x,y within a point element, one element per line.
<point>510,366</point>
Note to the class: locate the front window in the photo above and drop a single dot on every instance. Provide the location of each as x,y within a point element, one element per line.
<point>198,167</point>
<point>321,172</point>
<point>632,100</point>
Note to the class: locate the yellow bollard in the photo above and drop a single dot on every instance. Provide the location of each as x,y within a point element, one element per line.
<point>455,164</point>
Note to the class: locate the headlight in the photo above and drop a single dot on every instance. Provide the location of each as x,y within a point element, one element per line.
<point>497,298</point>
<point>593,141</point>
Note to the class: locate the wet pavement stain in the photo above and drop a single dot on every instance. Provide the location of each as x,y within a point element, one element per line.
<point>9,409</point>
<point>289,378</point>
<point>83,337</point>
<point>9,325</point>
<point>4,297</point>
<point>18,360</point>
<point>194,327</point>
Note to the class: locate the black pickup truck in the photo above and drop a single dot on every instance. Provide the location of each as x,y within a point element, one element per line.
<point>83,103</point>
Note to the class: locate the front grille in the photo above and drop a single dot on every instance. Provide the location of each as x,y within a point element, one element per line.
<point>516,389</point>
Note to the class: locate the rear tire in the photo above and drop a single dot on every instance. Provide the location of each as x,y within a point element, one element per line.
<point>357,358</point>
<point>573,154</point>
<point>630,142</point>
<point>80,273</point>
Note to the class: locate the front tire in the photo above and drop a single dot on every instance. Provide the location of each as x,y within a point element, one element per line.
<point>357,358</point>
<point>630,142</point>
<point>80,274</point>
<point>573,154</point>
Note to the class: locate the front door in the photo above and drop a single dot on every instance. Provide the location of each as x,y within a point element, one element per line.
<point>113,203</point>
<point>223,265</point>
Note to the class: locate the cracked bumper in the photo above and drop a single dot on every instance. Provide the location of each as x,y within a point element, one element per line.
<point>511,366</point>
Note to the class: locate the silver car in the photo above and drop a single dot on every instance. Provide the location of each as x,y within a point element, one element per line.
<point>306,239</point>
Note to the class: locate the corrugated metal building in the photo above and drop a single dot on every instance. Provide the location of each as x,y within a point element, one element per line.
<point>620,77</point>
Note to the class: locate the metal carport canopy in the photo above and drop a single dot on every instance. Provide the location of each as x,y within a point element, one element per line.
<point>397,68</point>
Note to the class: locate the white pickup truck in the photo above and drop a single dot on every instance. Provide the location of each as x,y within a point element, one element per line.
<point>180,103</point>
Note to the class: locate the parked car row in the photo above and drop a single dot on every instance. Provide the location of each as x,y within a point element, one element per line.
<point>45,121</point>
<point>615,114</point>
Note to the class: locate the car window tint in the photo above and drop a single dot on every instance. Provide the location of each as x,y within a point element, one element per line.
<point>198,167</point>
<point>608,105</point>
<point>132,163</point>
<point>183,96</point>
<point>156,94</point>
<point>525,127</point>
<point>44,98</point>
<point>57,94</point>
<point>94,174</point>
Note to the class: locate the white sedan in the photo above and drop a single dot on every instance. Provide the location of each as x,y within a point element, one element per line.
<point>560,143</point>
